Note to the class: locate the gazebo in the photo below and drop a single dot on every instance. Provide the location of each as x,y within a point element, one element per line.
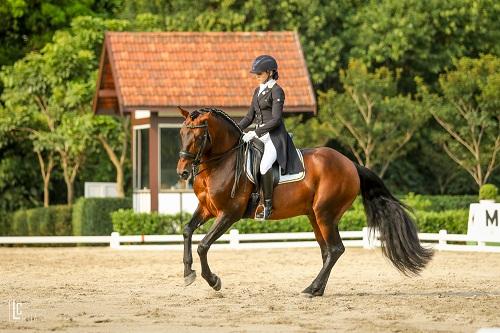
<point>146,75</point>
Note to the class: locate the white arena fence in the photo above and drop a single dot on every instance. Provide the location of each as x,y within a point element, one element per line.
<point>235,240</point>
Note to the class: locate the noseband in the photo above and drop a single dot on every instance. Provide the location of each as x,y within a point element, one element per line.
<point>196,158</point>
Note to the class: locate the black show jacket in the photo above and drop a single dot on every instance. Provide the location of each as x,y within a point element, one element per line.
<point>267,109</point>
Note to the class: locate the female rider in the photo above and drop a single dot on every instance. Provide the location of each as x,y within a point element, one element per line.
<point>266,110</point>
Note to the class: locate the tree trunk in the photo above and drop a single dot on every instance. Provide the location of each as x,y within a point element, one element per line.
<point>46,171</point>
<point>120,182</point>
<point>46,183</point>
<point>70,194</point>
<point>118,164</point>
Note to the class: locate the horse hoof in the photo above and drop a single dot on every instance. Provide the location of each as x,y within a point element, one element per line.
<point>309,292</point>
<point>217,284</point>
<point>190,278</point>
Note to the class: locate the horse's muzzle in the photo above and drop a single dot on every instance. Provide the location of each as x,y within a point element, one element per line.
<point>184,175</point>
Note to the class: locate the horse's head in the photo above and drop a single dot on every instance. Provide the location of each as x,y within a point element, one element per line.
<point>195,139</point>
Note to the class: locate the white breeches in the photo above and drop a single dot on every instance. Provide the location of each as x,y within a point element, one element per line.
<point>269,156</point>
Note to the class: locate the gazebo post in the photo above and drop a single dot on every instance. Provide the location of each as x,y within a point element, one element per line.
<point>153,161</point>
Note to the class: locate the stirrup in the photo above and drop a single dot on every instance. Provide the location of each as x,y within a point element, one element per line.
<point>260,215</point>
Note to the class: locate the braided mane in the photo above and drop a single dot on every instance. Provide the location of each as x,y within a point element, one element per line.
<point>240,147</point>
<point>217,112</point>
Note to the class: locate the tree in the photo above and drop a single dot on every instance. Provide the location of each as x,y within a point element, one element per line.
<point>19,176</point>
<point>71,140</point>
<point>114,135</point>
<point>46,92</point>
<point>422,37</point>
<point>468,110</point>
<point>28,110</point>
<point>28,25</point>
<point>370,118</point>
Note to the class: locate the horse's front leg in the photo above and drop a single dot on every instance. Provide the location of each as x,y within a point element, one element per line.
<point>221,225</point>
<point>197,219</point>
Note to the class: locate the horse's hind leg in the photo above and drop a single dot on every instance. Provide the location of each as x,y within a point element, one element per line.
<point>327,224</point>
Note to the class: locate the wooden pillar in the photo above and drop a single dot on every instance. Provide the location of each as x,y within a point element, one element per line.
<point>153,160</point>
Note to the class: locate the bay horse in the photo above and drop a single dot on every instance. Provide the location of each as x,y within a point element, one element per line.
<point>212,153</point>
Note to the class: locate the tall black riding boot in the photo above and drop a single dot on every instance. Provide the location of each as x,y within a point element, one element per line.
<point>267,179</point>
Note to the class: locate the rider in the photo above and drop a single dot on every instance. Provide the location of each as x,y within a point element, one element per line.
<point>266,110</point>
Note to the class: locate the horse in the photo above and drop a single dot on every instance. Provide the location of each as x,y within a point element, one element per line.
<point>212,153</point>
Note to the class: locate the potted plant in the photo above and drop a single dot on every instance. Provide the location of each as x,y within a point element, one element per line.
<point>488,193</point>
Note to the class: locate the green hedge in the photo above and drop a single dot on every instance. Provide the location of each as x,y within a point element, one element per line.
<point>92,216</point>
<point>450,202</point>
<point>50,221</point>
<point>5,219</point>
<point>126,222</point>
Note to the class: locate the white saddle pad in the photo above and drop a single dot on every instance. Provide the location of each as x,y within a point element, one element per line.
<point>283,178</point>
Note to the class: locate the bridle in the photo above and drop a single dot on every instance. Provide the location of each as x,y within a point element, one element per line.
<point>196,158</point>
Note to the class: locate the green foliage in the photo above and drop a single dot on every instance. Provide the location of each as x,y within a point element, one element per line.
<point>441,203</point>
<point>126,222</point>
<point>423,37</point>
<point>454,221</point>
<point>5,219</point>
<point>469,113</point>
<point>43,221</point>
<point>432,214</point>
<point>92,216</point>
<point>371,118</point>
<point>488,192</point>
<point>19,225</point>
<point>28,25</point>
<point>48,94</point>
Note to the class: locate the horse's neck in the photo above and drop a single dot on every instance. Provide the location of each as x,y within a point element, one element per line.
<point>223,170</point>
<point>224,138</point>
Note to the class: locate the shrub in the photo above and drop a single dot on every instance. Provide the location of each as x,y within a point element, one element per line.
<point>488,192</point>
<point>440,202</point>
<point>5,219</point>
<point>454,221</point>
<point>20,223</point>
<point>42,221</point>
<point>127,222</point>
<point>92,216</point>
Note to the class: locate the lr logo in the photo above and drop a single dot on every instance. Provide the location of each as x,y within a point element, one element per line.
<point>16,312</point>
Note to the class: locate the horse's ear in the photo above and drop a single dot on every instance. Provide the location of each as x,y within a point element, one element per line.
<point>185,113</point>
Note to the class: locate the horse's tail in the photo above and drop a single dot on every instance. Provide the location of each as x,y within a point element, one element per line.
<point>398,232</point>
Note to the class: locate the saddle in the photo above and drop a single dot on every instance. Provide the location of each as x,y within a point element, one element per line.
<point>253,156</point>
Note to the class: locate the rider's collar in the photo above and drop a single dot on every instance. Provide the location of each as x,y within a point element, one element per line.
<point>269,84</point>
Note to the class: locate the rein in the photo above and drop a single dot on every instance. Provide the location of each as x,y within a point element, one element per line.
<point>197,161</point>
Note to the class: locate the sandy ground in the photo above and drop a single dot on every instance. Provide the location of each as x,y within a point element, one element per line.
<point>104,290</point>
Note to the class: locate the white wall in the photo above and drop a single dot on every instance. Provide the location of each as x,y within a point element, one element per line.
<point>168,202</point>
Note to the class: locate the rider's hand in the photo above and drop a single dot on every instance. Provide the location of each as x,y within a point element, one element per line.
<point>248,136</point>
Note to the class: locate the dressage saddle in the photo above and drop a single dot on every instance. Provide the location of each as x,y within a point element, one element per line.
<point>255,150</point>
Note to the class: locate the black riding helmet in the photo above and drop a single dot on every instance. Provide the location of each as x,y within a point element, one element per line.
<point>264,63</point>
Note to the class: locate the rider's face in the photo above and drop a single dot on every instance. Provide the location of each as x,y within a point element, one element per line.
<point>261,77</point>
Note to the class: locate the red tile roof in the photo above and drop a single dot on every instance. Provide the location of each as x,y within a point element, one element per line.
<point>159,70</point>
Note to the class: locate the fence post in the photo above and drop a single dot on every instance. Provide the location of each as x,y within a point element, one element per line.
<point>442,239</point>
<point>234,239</point>
<point>115,240</point>
<point>367,244</point>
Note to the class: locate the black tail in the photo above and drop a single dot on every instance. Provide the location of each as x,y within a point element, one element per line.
<point>398,232</point>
